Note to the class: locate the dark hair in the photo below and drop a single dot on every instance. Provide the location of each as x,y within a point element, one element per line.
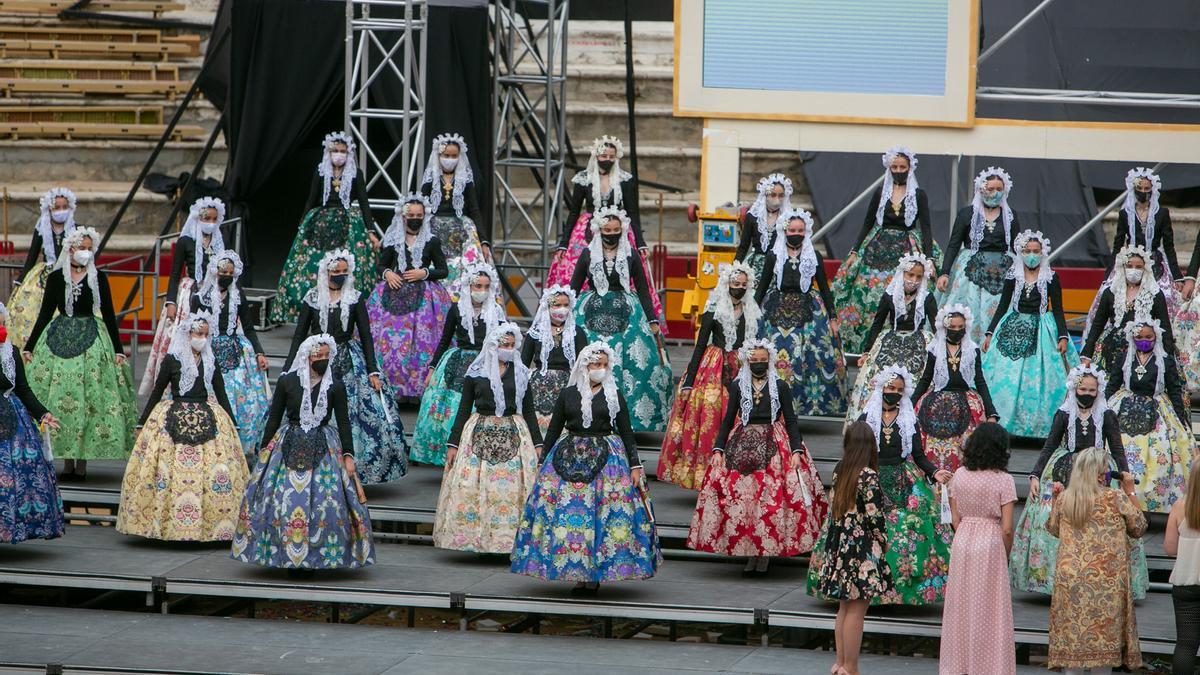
<point>987,448</point>
<point>859,452</point>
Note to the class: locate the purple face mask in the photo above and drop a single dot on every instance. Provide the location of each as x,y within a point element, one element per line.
<point>1144,345</point>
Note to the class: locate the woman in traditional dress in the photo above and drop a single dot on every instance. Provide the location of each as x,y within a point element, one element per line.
<point>761,496</point>
<point>908,310</point>
<point>1186,327</point>
<point>302,509</point>
<point>1130,290</point>
<point>187,474</point>
<point>492,454</point>
<point>897,224</point>
<point>408,306</point>
<point>1083,421</point>
<point>1027,370</point>
<point>760,226</point>
<point>454,206</point>
<point>198,242</point>
<point>587,519</point>
<point>979,254</point>
<point>333,307</point>
<point>476,312</point>
<point>800,320</point>
<point>1147,393</point>
<point>239,355</point>
<point>79,368</point>
<point>30,507</point>
<point>1143,222</point>
<point>1092,620</point>
<point>618,310</point>
<point>952,395</point>
<point>56,219</point>
<point>550,350</point>
<point>731,315</point>
<point>336,216</point>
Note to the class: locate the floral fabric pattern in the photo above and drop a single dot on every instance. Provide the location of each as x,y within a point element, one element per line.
<point>30,506</point>
<point>809,355</point>
<point>405,343</point>
<point>695,420</point>
<point>439,405</point>
<point>848,562</point>
<point>25,303</point>
<point>246,388</point>
<point>1159,453</point>
<point>380,452</point>
<point>323,229</point>
<point>1027,391</point>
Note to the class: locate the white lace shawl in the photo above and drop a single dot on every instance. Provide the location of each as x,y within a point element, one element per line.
<point>191,228</point>
<point>759,208</point>
<point>745,379</point>
<point>210,290</point>
<point>1131,351</point>
<point>895,290</point>
<point>45,224</point>
<point>433,173</point>
<point>1130,205</point>
<point>349,170</point>
<point>583,384</point>
<point>906,418</point>
<point>318,298</point>
<point>721,305</point>
<point>1143,302</point>
<point>487,365</point>
<point>491,311</point>
<point>73,290</point>
<point>596,249</point>
<point>396,235</point>
<point>978,220</point>
<point>1071,407</point>
<point>181,349</point>
<point>590,176</point>
<point>1017,271</point>
<point>8,363</point>
<point>541,329</point>
<point>910,186</point>
<point>312,414</point>
<point>966,348</point>
<point>808,255</point>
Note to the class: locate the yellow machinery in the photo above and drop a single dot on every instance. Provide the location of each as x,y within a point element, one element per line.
<point>718,233</point>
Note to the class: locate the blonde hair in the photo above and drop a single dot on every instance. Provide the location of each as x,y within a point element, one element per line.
<point>1191,505</point>
<point>1076,502</point>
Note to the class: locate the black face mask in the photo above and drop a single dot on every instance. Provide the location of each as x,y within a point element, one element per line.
<point>1142,197</point>
<point>795,240</point>
<point>737,293</point>
<point>1085,400</point>
<point>899,177</point>
<point>414,224</point>
<point>759,369</point>
<point>611,240</point>
<point>605,165</point>
<point>955,336</point>
<point>319,367</point>
<point>891,399</point>
<point>224,282</point>
<point>337,280</point>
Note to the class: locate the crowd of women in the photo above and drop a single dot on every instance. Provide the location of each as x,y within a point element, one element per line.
<point>535,430</point>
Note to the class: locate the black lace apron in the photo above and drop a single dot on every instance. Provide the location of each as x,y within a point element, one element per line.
<point>191,423</point>
<point>579,459</point>
<point>945,414</point>
<point>495,440</point>
<point>607,314</point>
<point>1018,335</point>
<point>71,336</point>
<point>303,450</point>
<point>404,300</point>
<point>227,351</point>
<point>751,448</point>
<point>986,269</point>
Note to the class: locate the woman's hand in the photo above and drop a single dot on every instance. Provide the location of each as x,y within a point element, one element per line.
<point>943,283</point>
<point>487,251</point>
<point>348,464</point>
<point>1189,289</point>
<point>27,357</point>
<point>638,475</point>
<point>993,418</point>
<point>794,461</point>
<point>1034,483</point>
<point>1062,345</point>
<point>394,281</point>
<point>374,240</point>
<point>717,460</point>
<point>942,476</point>
<point>851,258</point>
<point>49,420</point>
<point>862,360</point>
<point>558,256</point>
<point>263,365</point>
<point>987,343</point>
<point>171,311</point>
<point>451,453</point>
<point>376,383</point>
<point>415,275</point>
<point>654,328</point>
<point>1127,484</point>
<point>1056,489</point>
<point>427,377</point>
<point>835,326</point>
<point>119,359</point>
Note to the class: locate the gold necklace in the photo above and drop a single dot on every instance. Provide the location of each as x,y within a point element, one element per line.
<point>955,359</point>
<point>1141,367</point>
<point>758,392</point>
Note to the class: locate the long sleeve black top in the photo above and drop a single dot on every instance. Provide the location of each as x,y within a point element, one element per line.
<point>711,332</point>
<point>1144,385</point>
<point>568,418</point>
<point>55,300</point>
<point>35,251</point>
<point>453,332</point>
<point>309,324</point>
<point>1083,439</point>
<point>182,263</point>
<point>1106,313</point>
<point>887,310</point>
<point>289,394</point>
<point>1164,237</point>
<point>246,321</point>
<point>891,452</point>
<point>531,352</point>
<point>957,382</point>
<point>1030,302</point>
<point>470,206</point>
<point>358,193</point>
<point>960,237</point>
<point>22,390</point>
<point>750,241</point>
<point>477,397</point>
<point>433,260</point>
<point>580,200</point>
<point>895,221</point>
<point>1194,266</point>
<point>637,276</point>
<point>760,413</point>
<point>168,376</point>
<point>790,282</point>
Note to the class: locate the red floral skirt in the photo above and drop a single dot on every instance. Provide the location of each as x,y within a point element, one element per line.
<point>695,420</point>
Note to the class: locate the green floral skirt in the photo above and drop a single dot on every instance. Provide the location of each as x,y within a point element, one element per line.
<point>323,229</point>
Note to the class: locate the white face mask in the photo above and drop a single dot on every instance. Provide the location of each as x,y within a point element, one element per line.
<point>207,227</point>
<point>597,376</point>
<point>560,314</point>
<point>1133,275</point>
<point>338,158</point>
<point>60,217</point>
<point>911,286</point>
<point>81,258</point>
<point>478,297</point>
<point>449,163</point>
<point>198,344</point>
<point>505,355</point>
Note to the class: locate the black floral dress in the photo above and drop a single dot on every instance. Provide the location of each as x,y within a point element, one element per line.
<point>848,561</point>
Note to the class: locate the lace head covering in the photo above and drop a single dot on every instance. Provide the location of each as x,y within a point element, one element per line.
<point>966,348</point>
<point>541,331</point>
<point>977,206</point>
<point>1130,205</point>
<point>181,349</point>
<point>210,290</point>
<point>596,247</point>
<point>395,235</point>
<point>745,379</point>
<point>317,297</point>
<point>1131,329</point>
<point>895,289</point>
<point>487,365</point>
<point>312,414</point>
<point>583,384</point>
<point>910,186</point>
<point>1071,407</point>
<point>759,208</point>
<point>808,255</point>
<point>349,169</point>
<point>906,418</point>
<point>8,364</point>
<point>491,311</point>
<point>73,290</point>
<point>45,225</point>
<point>192,228</point>
<point>1017,271</point>
<point>1143,302</point>
<point>721,305</point>
<point>462,172</point>
<point>590,176</point>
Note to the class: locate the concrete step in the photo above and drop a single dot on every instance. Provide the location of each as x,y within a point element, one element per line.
<point>98,202</point>
<point>603,42</point>
<point>200,112</point>
<point>70,162</point>
<point>656,124</point>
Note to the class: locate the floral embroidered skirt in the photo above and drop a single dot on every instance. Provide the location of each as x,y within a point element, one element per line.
<point>301,509</point>
<point>1035,551</point>
<point>585,520</point>
<point>810,357</point>
<point>460,245</point>
<point>380,453</point>
<point>1159,448</point>
<point>892,348</point>
<point>186,476</point>
<point>406,324</point>
<point>947,419</point>
<point>247,389</point>
<point>324,229</point>
<point>1025,373</point>
<point>976,280</point>
<point>756,505</point>
<point>1186,327</point>
<point>545,388</point>
<point>484,491</point>
<point>164,331</point>
<point>695,420</point>
<point>75,375</point>
<point>30,507</point>
<point>918,548</point>
<point>439,405</point>
<point>25,303</point>
<point>642,370</point>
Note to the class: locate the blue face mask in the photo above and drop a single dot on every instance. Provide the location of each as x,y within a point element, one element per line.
<point>1032,260</point>
<point>993,199</point>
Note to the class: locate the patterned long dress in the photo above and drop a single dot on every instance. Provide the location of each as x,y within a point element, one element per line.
<point>848,561</point>
<point>902,344</point>
<point>458,229</point>
<point>547,386</point>
<point>977,273</point>
<point>30,507</point>
<point>950,415</point>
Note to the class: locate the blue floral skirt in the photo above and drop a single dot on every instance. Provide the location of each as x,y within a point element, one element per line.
<point>1025,373</point>
<point>439,405</point>
<point>380,452</point>
<point>810,357</point>
<point>30,507</point>
<point>246,387</point>
<point>976,281</point>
